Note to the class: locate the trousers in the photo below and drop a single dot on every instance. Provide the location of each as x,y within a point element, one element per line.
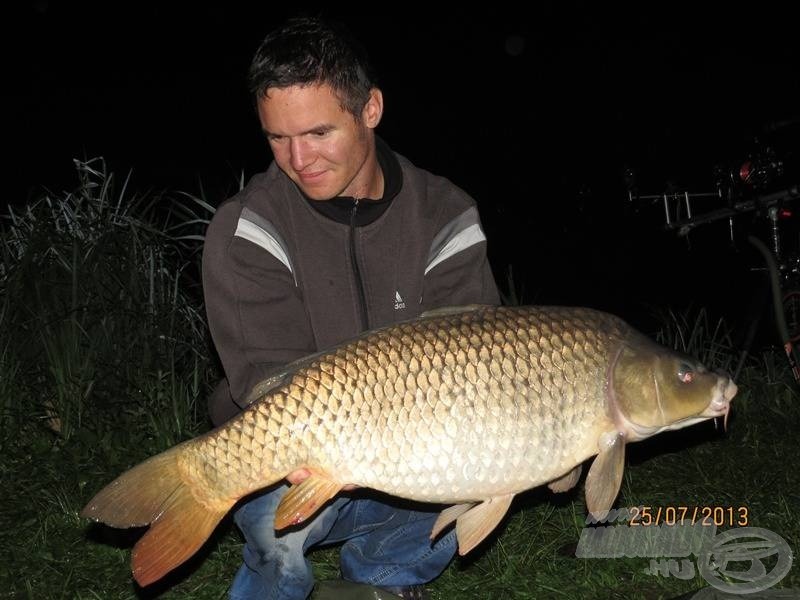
<point>384,545</point>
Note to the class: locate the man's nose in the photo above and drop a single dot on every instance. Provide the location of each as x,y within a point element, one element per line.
<point>302,154</point>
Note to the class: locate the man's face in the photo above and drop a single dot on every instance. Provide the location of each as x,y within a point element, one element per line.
<point>320,146</point>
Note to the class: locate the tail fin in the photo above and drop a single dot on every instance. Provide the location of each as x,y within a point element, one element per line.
<point>155,492</point>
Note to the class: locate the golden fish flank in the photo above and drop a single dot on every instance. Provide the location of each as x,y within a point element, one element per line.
<point>467,407</point>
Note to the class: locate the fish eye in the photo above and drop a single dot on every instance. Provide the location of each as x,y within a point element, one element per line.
<point>685,373</point>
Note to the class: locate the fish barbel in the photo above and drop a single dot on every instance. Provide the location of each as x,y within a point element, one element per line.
<point>464,406</point>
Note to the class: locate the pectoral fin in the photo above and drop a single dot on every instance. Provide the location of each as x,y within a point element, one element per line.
<point>478,522</point>
<point>567,482</point>
<point>304,499</point>
<point>447,516</point>
<point>605,475</point>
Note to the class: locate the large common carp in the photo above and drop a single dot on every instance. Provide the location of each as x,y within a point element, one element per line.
<point>463,406</point>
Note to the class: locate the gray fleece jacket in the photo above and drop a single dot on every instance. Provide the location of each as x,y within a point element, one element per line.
<point>282,280</point>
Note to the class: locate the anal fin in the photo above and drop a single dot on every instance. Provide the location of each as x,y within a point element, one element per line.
<point>478,522</point>
<point>605,475</point>
<point>304,499</point>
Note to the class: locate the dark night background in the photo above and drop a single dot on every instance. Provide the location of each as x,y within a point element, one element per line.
<point>536,113</point>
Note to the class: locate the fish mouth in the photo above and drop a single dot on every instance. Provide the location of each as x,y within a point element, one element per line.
<point>720,405</point>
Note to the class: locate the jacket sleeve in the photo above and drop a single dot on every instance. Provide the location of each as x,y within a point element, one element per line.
<point>255,310</point>
<point>458,270</point>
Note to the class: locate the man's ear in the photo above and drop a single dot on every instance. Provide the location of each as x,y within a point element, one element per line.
<point>373,109</point>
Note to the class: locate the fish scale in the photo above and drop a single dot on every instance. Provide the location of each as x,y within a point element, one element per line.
<point>466,407</point>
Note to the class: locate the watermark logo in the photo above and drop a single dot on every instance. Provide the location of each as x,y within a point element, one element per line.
<point>742,560</point>
<point>721,564</point>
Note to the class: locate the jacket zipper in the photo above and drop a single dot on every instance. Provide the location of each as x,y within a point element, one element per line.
<point>362,296</point>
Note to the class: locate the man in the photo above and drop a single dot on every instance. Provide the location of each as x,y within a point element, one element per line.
<point>338,236</point>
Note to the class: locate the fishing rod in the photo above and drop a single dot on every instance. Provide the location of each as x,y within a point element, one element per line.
<point>681,218</point>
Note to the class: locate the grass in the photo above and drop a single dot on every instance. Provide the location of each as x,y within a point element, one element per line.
<point>105,360</point>
<point>696,333</point>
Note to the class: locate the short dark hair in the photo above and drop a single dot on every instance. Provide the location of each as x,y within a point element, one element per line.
<point>310,51</point>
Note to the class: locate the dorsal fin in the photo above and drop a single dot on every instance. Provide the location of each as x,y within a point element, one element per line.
<point>452,310</point>
<point>270,383</point>
<point>283,374</point>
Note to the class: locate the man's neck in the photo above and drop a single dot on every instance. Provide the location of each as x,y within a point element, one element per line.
<point>373,186</point>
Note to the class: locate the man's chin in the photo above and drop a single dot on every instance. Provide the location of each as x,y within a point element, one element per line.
<point>316,193</point>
